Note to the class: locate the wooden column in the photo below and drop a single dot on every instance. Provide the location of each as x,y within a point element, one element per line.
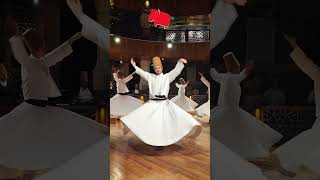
<point>101,72</point>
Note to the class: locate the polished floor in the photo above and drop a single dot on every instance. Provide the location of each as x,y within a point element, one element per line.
<point>302,174</point>
<point>131,159</point>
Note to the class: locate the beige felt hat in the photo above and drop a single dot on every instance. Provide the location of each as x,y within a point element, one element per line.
<point>156,61</point>
<point>231,61</point>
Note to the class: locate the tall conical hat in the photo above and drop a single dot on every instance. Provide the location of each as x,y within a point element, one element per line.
<point>156,61</point>
<point>231,61</point>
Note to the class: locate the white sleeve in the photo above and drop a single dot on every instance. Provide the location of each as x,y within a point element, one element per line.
<point>215,75</point>
<point>174,73</point>
<point>18,49</point>
<point>115,77</point>
<point>58,54</point>
<point>95,32</point>
<point>305,64</point>
<point>242,75</point>
<point>205,81</point>
<point>128,78</point>
<point>222,17</point>
<point>145,75</point>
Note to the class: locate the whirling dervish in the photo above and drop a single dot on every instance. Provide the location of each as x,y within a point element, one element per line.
<point>229,165</point>
<point>160,122</point>
<point>91,161</point>
<point>304,149</point>
<point>204,109</point>
<point>36,135</point>
<point>182,100</point>
<point>234,127</point>
<point>122,103</point>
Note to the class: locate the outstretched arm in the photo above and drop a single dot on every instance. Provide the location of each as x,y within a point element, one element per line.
<point>18,49</point>
<point>91,30</point>
<point>173,74</point>
<point>205,81</point>
<point>61,52</point>
<point>215,75</point>
<point>115,76</point>
<point>305,64</point>
<point>302,61</point>
<point>16,42</point>
<point>245,72</point>
<point>145,75</point>
<point>128,78</point>
<point>222,17</point>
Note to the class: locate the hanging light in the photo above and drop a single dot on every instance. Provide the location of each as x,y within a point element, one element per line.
<point>147,4</point>
<point>35,2</point>
<point>169,45</point>
<point>117,40</point>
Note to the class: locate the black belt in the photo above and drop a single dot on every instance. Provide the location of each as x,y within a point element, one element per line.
<point>40,103</point>
<point>159,98</point>
<point>36,102</point>
<point>124,93</point>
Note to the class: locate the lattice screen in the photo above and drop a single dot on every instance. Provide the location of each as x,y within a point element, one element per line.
<point>175,36</point>
<point>198,35</point>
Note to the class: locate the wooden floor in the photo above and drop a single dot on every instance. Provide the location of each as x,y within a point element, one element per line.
<point>131,159</point>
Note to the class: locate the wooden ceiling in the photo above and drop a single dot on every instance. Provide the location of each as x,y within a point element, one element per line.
<point>173,7</point>
<point>128,48</point>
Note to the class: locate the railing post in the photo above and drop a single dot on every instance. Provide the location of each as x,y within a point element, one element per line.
<point>187,35</point>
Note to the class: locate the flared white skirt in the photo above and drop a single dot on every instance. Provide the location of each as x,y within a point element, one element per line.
<point>302,150</point>
<point>160,123</point>
<point>185,103</point>
<point>121,105</point>
<point>230,166</point>
<point>89,164</point>
<point>204,109</point>
<point>36,138</point>
<point>243,133</point>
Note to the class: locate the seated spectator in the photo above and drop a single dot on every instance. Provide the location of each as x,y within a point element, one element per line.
<point>9,93</point>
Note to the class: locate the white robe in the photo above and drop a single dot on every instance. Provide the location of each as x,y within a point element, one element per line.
<point>95,32</point>
<point>37,82</point>
<point>85,95</point>
<point>229,166</point>
<point>204,109</point>
<point>222,17</point>
<point>236,128</point>
<point>90,163</point>
<point>183,101</point>
<point>304,149</point>
<point>160,123</point>
<point>37,138</point>
<point>121,105</point>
